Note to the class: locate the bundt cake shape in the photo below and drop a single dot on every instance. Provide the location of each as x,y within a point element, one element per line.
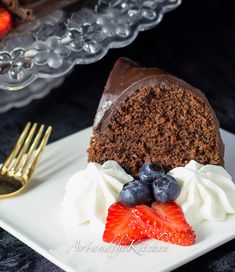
<point>148,115</point>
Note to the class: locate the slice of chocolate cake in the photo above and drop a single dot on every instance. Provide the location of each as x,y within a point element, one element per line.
<point>147,115</point>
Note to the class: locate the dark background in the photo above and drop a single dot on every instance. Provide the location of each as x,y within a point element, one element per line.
<point>195,42</point>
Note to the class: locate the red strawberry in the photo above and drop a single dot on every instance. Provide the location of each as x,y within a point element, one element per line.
<point>165,222</point>
<point>121,227</point>
<point>5,22</point>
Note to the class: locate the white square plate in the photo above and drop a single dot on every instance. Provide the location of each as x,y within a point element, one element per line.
<point>35,218</point>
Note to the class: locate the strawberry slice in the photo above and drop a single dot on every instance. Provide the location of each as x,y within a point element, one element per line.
<point>5,22</point>
<point>165,222</point>
<point>121,227</point>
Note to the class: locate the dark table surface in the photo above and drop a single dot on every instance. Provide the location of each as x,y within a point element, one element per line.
<point>195,42</point>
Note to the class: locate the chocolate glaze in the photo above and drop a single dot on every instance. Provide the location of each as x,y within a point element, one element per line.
<point>128,76</point>
<point>124,74</point>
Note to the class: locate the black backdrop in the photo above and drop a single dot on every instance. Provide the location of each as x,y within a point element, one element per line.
<point>195,42</point>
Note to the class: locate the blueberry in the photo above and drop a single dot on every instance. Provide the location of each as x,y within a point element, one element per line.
<point>136,192</point>
<point>150,171</point>
<point>165,189</point>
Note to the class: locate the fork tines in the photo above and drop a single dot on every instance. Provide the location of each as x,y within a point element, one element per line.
<point>25,155</point>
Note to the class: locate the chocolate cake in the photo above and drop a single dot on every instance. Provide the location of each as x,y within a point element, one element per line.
<point>148,115</point>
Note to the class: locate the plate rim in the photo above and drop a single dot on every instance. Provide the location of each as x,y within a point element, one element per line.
<point>191,255</point>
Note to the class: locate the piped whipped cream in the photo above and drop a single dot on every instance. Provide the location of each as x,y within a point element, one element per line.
<point>207,192</point>
<point>90,192</point>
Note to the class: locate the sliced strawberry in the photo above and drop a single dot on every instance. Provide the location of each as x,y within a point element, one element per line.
<point>121,227</point>
<point>165,222</point>
<point>5,22</point>
<point>172,215</point>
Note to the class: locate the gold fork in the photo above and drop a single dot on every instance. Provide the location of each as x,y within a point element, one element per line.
<point>20,165</point>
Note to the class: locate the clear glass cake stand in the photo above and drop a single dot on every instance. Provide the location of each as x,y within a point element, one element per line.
<point>49,47</point>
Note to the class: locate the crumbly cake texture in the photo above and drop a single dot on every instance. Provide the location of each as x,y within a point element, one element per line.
<point>147,115</point>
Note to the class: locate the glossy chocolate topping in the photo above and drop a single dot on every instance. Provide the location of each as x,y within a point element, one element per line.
<point>124,74</point>
<point>128,76</point>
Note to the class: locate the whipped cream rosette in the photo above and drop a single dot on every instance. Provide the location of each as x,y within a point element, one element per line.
<point>208,192</point>
<point>90,192</point>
